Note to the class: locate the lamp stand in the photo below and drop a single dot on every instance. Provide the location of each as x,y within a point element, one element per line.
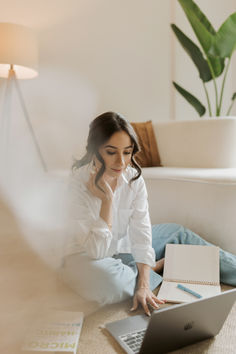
<point>10,80</point>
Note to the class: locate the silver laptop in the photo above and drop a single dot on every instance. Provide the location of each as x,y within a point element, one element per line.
<point>173,327</point>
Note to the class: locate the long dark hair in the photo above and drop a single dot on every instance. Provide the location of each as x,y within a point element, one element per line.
<point>100,130</point>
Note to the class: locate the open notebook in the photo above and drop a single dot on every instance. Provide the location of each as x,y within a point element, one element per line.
<point>193,266</point>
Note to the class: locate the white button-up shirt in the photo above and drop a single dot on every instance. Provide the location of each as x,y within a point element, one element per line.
<point>131,226</point>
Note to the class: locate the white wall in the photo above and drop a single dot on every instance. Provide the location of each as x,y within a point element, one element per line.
<point>95,55</point>
<point>98,55</point>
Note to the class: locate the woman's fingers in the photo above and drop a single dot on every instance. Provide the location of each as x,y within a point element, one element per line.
<point>135,304</point>
<point>152,302</point>
<point>145,307</point>
<point>158,301</point>
<point>146,299</point>
<point>102,189</point>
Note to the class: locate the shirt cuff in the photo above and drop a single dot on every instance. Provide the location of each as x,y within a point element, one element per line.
<point>145,255</point>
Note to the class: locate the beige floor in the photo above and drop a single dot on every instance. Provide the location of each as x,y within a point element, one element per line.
<point>28,286</point>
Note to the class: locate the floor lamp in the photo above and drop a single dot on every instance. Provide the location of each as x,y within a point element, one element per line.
<point>18,60</point>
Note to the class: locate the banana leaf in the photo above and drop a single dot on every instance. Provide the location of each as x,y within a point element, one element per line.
<point>191,99</point>
<point>204,32</point>
<point>191,6</point>
<point>224,42</point>
<point>195,54</point>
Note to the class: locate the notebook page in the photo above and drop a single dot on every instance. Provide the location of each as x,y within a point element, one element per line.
<point>192,263</point>
<point>171,293</point>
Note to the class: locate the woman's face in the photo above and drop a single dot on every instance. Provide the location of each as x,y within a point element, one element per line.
<point>116,153</point>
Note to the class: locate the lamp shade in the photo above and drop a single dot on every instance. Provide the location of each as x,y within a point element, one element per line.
<point>18,47</point>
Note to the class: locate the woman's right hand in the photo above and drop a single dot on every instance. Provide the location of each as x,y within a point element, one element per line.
<point>105,196</point>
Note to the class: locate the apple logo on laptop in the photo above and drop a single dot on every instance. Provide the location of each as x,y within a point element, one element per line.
<point>188,325</point>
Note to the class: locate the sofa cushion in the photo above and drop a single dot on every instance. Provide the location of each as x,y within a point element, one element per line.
<point>202,143</point>
<point>149,155</point>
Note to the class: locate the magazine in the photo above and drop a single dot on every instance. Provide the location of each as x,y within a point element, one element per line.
<point>57,332</point>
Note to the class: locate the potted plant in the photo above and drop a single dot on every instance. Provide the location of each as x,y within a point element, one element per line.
<point>212,59</point>
<point>210,142</point>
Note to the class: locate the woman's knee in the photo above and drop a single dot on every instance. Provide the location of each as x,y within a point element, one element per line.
<point>116,282</point>
<point>105,281</point>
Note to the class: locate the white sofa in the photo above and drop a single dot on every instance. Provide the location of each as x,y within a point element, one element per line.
<point>202,198</point>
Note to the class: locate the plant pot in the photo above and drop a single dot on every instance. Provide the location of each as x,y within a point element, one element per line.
<point>203,143</point>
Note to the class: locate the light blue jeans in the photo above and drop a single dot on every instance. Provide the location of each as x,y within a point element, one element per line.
<point>113,279</point>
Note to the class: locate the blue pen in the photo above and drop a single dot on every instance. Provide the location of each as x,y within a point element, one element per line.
<point>180,286</point>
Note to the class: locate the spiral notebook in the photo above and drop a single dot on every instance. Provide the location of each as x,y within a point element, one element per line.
<point>193,266</point>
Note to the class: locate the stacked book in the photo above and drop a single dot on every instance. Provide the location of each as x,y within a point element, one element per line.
<point>55,332</point>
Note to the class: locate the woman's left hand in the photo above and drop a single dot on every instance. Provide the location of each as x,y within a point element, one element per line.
<point>145,297</point>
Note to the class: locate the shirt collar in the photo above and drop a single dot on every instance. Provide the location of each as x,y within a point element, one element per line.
<point>122,179</point>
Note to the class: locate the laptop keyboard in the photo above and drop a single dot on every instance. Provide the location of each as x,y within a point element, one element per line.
<point>134,340</point>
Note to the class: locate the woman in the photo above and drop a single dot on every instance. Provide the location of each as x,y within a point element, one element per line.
<point>113,252</point>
